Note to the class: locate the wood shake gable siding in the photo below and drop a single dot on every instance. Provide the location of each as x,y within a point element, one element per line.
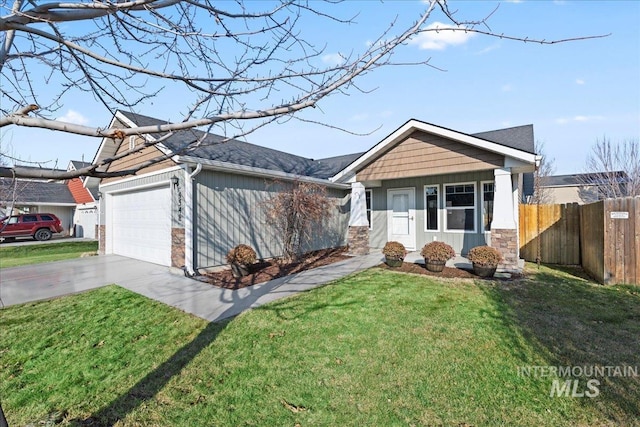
<point>134,160</point>
<point>424,154</point>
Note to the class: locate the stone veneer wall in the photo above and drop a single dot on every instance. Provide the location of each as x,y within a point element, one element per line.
<point>358,240</point>
<point>101,239</point>
<point>506,241</point>
<point>177,247</point>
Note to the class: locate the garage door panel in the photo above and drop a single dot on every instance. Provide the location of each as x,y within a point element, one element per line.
<point>141,225</point>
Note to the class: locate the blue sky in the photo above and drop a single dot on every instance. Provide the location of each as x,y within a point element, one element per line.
<point>573,93</point>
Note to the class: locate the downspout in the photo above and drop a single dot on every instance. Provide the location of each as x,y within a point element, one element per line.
<point>188,220</point>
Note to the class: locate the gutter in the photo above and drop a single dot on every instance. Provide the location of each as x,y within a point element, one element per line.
<point>217,165</point>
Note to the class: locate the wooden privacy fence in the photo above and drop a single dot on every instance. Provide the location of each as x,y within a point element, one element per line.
<point>604,237</point>
<point>554,230</point>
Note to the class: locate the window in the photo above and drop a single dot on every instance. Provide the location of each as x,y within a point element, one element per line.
<point>368,194</point>
<point>13,220</point>
<point>29,218</point>
<point>431,208</point>
<point>488,190</point>
<point>132,142</point>
<point>460,202</point>
<point>46,218</point>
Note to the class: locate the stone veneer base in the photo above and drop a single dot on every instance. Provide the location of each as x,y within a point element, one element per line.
<point>358,240</point>
<point>177,247</point>
<point>506,241</point>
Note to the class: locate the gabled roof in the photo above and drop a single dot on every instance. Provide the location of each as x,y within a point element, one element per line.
<point>516,142</point>
<point>38,192</point>
<point>77,164</point>
<point>79,192</point>
<point>580,179</point>
<point>232,151</point>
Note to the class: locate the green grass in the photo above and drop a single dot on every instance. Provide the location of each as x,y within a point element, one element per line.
<point>378,348</point>
<point>14,256</point>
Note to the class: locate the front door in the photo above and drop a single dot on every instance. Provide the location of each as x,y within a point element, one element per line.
<point>401,215</point>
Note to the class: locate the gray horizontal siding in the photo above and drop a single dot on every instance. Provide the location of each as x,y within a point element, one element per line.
<point>229,212</point>
<point>461,242</point>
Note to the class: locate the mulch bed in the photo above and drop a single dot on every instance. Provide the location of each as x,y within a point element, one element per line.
<point>264,271</point>
<point>447,273</point>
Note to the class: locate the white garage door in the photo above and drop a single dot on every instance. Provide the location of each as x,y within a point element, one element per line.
<point>141,225</point>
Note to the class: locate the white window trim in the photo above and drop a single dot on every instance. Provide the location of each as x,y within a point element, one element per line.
<point>475,207</point>
<point>132,142</point>
<point>482,203</point>
<point>369,208</point>
<point>439,208</point>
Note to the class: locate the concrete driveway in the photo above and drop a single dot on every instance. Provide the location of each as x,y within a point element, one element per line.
<point>44,281</point>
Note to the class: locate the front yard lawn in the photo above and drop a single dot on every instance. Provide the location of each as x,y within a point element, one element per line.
<point>14,256</point>
<point>378,348</point>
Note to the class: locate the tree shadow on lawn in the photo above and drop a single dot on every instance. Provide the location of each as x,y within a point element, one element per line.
<point>154,381</point>
<point>574,322</point>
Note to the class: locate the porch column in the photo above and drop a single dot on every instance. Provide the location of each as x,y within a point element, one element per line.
<point>358,238</point>
<point>504,226</point>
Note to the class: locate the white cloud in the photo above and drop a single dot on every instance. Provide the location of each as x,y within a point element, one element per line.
<point>73,117</point>
<point>333,59</point>
<point>439,36</point>
<point>578,119</point>
<point>580,82</point>
<point>488,49</point>
<point>359,117</point>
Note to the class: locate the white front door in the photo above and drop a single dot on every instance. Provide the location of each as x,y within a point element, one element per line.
<point>401,216</point>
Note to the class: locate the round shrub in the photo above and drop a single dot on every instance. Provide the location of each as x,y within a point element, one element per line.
<point>437,251</point>
<point>484,256</point>
<point>241,254</point>
<point>394,250</point>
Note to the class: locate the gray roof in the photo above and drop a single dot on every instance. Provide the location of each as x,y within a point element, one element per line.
<point>77,164</point>
<point>582,179</point>
<point>216,147</point>
<point>519,137</point>
<point>34,192</point>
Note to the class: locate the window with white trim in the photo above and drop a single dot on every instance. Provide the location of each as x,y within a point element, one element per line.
<point>132,142</point>
<point>431,208</point>
<point>368,195</point>
<point>488,191</point>
<point>460,206</point>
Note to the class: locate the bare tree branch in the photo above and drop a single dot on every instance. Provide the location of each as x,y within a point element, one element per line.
<point>235,62</point>
<point>612,170</point>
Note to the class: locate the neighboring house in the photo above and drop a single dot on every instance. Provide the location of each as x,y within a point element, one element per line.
<point>69,200</point>
<point>584,188</point>
<point>85,192</point>
<point>421,183</point>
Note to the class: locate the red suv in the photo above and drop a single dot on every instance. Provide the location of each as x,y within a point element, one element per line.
<point>40,226</point>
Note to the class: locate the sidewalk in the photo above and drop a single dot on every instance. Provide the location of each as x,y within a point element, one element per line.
<point>45,281</point>
<point>214,304</point>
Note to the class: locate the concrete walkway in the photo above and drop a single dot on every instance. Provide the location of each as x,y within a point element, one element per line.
<point>44,281</point>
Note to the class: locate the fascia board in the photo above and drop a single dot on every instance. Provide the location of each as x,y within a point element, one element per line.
<point>258,172</point>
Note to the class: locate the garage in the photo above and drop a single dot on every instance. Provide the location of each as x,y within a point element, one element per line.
<point>139,224</point>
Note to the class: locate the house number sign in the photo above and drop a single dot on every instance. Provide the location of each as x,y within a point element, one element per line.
<point>619,215</point>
